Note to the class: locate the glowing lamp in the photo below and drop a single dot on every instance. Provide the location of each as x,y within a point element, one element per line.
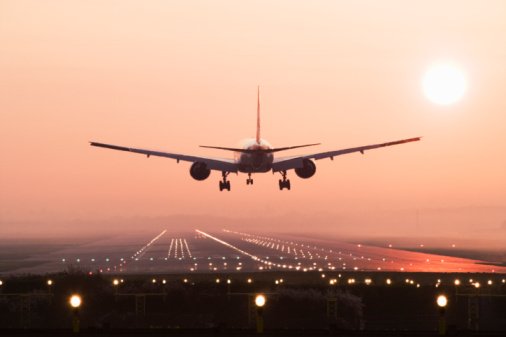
<point>260,300</point>
<point>75,301</point>
<point>442,301</point>
<point>49,282</point>
<point>115,282</point>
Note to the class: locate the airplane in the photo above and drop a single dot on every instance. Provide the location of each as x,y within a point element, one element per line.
<point>255,156</point>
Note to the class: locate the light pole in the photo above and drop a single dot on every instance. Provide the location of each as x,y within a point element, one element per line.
<point>259,303</point>
<point>115,284</point>
<point>442,301</point>
<point>75,302</point>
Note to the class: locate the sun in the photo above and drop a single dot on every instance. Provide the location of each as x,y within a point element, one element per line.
<point>444,83</point>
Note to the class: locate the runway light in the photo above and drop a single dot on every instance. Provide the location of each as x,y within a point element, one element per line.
<point>1,282</point>
<point>389,281</point>
<point>250,280</point>
<point>153,281</point>
<point>368,281</point>
<point>217,280</point>
<point>164,281</point>
<point>489,282</point>
<point>115,282</point>
<point>49,282</point>
<point>442,301</point>
<point>229,281</point>
<point>260,300</point>
<point>185,280</point>
<point>457,282</point>
<point>477,284</point>
<point>75,301</point>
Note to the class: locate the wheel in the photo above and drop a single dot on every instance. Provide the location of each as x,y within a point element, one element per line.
<point>288,184</point>
<point>227,185</point>
<point>251,181</point>
<point>221,186</point>
<point>280,184</point>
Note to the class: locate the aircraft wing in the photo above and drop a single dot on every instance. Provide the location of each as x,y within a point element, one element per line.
<point>218,164</point>
<point>288,163</point>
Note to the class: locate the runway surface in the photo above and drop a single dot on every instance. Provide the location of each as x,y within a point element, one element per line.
<point>228,251</point>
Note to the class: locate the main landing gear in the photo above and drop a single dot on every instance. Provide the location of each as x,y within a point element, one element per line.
<point>224,184</point>
<point>249,181</point>
<point>284,183</point>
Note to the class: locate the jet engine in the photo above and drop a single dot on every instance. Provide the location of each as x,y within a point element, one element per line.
<point>307,170</point>
<point>199,171</point>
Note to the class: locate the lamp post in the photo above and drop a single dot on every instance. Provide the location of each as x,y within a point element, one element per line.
<point>75,303</point>
<point>115,284</point>
<point>442,301</point>
<point>259,303</point>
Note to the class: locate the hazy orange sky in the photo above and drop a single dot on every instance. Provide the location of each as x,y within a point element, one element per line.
<point>172,75</point>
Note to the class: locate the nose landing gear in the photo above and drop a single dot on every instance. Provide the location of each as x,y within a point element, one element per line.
<point>224,184</point>
<point>249,181</point>
<point>284,183</point>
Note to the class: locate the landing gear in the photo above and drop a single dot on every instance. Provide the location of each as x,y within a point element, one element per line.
<point>249,181</point>
<point>224,184</point>
<point>284,183</point>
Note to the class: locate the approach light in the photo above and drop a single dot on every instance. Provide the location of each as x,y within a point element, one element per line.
<point>75,301</point>
<point>260,300</point>
<point>442,301</point>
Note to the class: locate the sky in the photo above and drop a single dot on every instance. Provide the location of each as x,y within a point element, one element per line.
<point>172,75</point>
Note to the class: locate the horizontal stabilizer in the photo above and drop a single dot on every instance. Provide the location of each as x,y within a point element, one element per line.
<point>257,150</point>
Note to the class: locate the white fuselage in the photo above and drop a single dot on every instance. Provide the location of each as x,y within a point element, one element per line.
<point>254,161</point>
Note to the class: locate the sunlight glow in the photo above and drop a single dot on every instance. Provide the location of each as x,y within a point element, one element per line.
<point>444,84</point>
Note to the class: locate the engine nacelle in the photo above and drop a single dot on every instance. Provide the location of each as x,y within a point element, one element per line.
<point>199,171</point>
<point>306,171</point>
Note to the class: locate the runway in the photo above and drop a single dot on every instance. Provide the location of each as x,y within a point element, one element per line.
<point>228,251</point>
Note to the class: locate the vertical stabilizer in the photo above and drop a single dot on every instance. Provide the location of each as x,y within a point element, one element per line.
<point>258,115</point>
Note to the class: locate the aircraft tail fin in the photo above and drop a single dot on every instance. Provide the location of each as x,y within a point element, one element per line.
<point>258,115</point>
